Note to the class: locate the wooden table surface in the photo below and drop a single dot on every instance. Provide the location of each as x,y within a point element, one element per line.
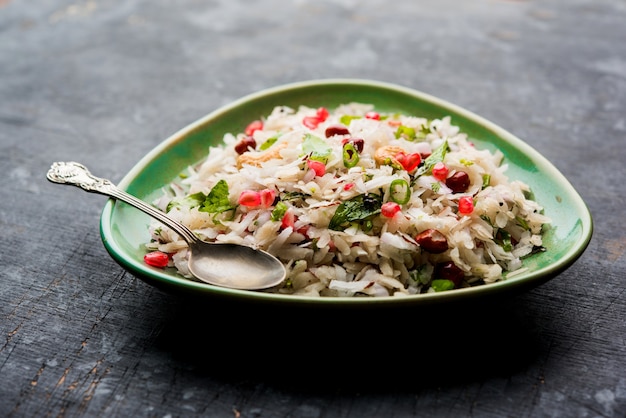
<point>104,82</point>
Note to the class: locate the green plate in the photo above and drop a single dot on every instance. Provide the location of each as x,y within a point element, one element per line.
<point>124,230</point>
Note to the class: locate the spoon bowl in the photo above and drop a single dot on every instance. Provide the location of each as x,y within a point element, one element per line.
<point>222,264</point>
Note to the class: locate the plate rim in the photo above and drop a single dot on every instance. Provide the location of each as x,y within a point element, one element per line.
<point>180,284</point>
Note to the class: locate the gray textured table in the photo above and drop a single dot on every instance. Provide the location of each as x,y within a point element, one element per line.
<point>105,82</point>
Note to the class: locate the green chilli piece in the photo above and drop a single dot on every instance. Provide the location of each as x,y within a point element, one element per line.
<point>346,119</point>
<point>269,142</point>
<point>400,191</point>
<point>441,285</point>
<point>405,132</point>
<point>486,181</point>
<point>350,155</point>
<point>279,211</point>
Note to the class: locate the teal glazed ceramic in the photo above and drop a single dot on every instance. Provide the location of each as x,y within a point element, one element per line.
<point>124,230</point>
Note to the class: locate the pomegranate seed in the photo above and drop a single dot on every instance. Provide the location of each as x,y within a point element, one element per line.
<point>289,220</point>
<point>317,166</point>
<point>466,205</point>
<point>389,209</point>
<point>440,171</point>
<point>304,230</point>
<point>156,259</point>
<point>400,157</point>
<point>333,130</point>
<point>348,186</point>
<point>250,198</point>
<point>409,162</point>
<point>322,113</point>
<point>245,144</point>
<point>311,122</point>
<point>267,197</point>
<point>253,126</point>
<point>372,115</point>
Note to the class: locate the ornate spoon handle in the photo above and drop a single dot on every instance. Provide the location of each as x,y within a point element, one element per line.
<point>76,174</point>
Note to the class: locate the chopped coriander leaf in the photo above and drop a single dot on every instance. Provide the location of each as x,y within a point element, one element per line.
<point>503,238</point>
<point>522,222</point>
<point>422,274</point>
<point>290,196</point>
<point>487,219</point>
<point>424,130</point>
<point>536,249</point>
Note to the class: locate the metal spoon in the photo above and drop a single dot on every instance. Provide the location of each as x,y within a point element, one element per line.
<point>221,264</point>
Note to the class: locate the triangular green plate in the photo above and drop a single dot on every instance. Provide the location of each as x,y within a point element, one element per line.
<point>124,229</point>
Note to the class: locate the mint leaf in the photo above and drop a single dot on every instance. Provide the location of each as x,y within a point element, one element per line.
<point>316,148</point>
<point>360,208</point>
<point>436,157</point>
<point>191,201</point>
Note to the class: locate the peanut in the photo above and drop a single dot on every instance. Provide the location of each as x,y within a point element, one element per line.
<point>258,158</point>
<point>387,156</point>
